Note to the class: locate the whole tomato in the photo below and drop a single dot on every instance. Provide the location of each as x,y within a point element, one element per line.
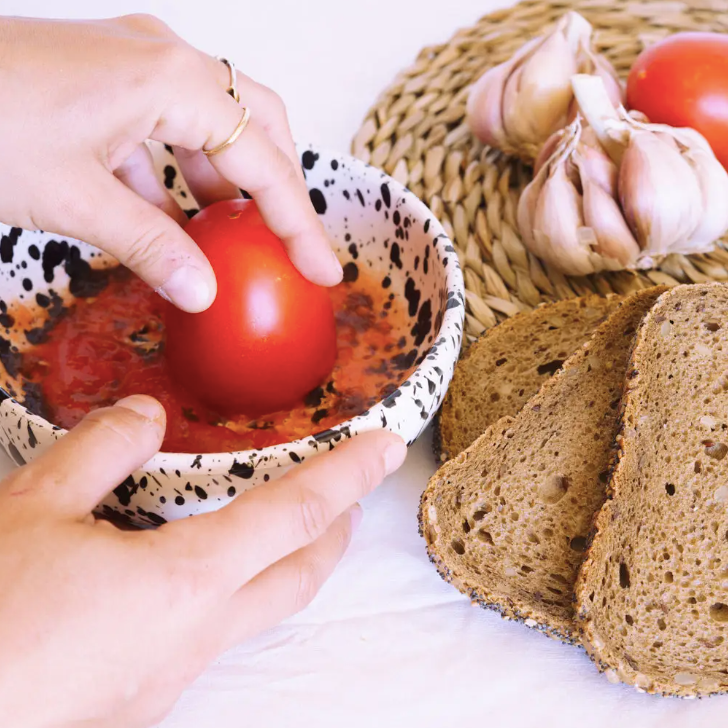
<point>683,81</point>
<point>269,338</point>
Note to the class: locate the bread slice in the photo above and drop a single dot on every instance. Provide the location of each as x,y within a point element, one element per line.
<point>506,366</point>
<point>653,590</point>
<point>506,521</point>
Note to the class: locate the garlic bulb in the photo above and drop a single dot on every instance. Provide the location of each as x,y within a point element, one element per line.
<point>517,105</point>
<point>568,215</point>
<point>620,192</point>
<point>672,189</point>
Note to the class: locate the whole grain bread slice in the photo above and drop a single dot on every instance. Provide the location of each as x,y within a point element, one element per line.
<point>506,521</point>
<point>652,595</point>
<point>506,366</point>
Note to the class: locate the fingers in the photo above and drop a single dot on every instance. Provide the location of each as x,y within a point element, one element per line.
<point>143,238</point>
<point>75,474</point>
<point>138,174</point>
<point>261,168</point>
<point>289,585</point>
<point>204,118</point>
<point>271,113</point>
<point>206,184</point>
<point>266,524</point>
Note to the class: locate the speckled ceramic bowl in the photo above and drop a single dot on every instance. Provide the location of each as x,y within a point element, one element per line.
<point>373,222</point>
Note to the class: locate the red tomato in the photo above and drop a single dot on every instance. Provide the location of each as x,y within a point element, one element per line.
<point>269,338</point>
<point>683,81</point>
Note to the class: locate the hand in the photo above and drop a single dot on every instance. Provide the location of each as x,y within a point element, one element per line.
<point>104,628</point>
<point>78,101</point>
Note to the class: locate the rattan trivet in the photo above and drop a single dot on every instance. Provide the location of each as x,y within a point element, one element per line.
<point>416,132</point>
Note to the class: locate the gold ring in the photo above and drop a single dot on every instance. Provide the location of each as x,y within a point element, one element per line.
<point>239,129</point>
<point>232,89</point>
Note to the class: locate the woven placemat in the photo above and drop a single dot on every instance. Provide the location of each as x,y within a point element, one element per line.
<point>416,132</point>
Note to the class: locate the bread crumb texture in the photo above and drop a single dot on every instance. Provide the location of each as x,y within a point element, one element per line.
<point>503,369</point>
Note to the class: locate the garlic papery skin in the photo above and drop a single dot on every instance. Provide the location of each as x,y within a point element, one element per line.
<point>517,105</point>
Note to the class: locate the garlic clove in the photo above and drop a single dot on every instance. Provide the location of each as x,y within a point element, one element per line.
<point>556,223</point>
<point>595,165</point>
<point>526,211</point>
<point>557,150</point>
<point>660,195</point>
<point>512,111</point>
<point>713,182</point>
<point>484,110</point>
<point>614,239</point>
<point>484,105</point>
<point>544,91</point>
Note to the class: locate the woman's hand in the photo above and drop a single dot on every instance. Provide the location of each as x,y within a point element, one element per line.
<point>104,628</point>
<point>78,101</point>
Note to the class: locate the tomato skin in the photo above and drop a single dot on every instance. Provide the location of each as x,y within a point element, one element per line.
<point>683,81</point>
<point>269,337</point>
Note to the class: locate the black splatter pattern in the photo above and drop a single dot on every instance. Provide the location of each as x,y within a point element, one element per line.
<point>351,272</point>
<point>318,201</point>
<point>169,175</point>
<point>7,244</point>
<point>309,159</point>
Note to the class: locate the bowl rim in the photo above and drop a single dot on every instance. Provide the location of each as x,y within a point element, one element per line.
<point>371,419</point>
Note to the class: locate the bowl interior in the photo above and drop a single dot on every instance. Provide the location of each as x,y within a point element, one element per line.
<point>374,224</point>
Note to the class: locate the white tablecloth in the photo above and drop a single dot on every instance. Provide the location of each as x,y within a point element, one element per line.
<point>386,643</point>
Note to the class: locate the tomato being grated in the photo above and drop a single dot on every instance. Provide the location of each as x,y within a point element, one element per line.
<point>111,346</point>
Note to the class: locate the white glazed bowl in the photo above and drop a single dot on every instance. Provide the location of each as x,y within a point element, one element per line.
<point>372,220</point>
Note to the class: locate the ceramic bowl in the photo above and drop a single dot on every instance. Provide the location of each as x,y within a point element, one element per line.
<point>373,222</point>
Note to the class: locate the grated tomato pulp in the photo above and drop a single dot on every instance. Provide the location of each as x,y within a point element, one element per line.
<point>111,346</point>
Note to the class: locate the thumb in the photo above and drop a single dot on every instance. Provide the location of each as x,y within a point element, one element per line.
<point>78,471</point>
<point>145,239</point>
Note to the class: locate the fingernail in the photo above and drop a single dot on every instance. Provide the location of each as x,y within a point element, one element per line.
<point>337,265</point>
<point>356,513</point>
<point>394,455</point>
<point>141,404</point>
<point>188,289</point>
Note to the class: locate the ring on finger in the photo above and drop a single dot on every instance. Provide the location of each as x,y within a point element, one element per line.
<point>239,129</point>
<point>232,89</point>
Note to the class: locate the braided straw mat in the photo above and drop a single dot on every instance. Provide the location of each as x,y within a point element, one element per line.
<point>416,132</point>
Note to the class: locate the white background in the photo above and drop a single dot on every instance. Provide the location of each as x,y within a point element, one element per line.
<point>386,643</point>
